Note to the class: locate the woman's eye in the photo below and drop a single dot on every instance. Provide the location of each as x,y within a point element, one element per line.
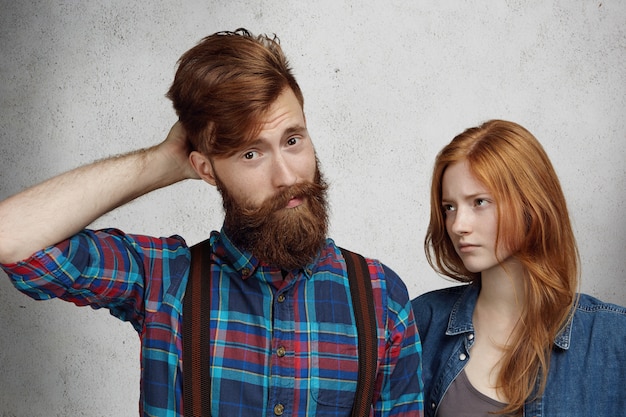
<point>447,207</point>
<point>482,202</point>
<point>249,155</point>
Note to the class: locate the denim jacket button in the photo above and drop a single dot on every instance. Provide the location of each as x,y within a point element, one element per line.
<point>470,336</point>
<point>462,356</point>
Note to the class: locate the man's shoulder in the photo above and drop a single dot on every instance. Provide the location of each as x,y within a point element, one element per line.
<point>331,249</point>
<point>389,281</point>
<point>378,270</point>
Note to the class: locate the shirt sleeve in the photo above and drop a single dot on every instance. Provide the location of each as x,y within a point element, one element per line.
<point>127,274</point>
<point>401,391</point>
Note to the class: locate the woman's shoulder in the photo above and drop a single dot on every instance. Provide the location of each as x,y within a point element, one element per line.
<point>433,309</point>
<point>592,306</point>
<point>602,322</point>
<point>440,297</point>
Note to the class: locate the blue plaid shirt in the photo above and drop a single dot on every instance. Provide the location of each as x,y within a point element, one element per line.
<point>279,341</point>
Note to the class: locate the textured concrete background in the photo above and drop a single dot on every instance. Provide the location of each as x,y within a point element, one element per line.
<point>387,84</point>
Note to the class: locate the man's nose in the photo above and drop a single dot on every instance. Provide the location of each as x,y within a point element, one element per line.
<point>283,173</point>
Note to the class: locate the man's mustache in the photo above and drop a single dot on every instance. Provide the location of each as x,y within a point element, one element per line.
<point>279,201</point>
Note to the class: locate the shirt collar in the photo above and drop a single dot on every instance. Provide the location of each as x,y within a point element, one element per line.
<point>242,261</point>
<point>245,262</point>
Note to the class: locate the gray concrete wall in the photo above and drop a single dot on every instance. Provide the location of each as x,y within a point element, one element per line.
<point>387,84</point>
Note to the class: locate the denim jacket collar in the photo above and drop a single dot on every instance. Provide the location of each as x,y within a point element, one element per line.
<point>462,311</point>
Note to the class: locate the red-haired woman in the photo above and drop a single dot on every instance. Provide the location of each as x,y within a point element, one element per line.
<point>517,339</point>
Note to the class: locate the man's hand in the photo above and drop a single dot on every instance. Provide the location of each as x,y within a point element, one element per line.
<point>62,206</point>
<point>177,148</point>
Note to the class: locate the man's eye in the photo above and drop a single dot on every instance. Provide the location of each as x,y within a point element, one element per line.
<point>292,141</point>
<point>249,155</point>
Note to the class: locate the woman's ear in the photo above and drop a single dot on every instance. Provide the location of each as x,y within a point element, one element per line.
<point>203,167</point>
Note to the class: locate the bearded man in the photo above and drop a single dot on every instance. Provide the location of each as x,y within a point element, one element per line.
<point>283,339</point>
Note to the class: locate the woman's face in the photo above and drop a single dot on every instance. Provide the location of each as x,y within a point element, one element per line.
<point>471,219</point>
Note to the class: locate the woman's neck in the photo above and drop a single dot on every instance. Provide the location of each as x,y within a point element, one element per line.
<point>502,297</point>
<point>497,313</point>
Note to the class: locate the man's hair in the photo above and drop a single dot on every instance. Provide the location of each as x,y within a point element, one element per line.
<point>533,224</point>
<point>225,84</point>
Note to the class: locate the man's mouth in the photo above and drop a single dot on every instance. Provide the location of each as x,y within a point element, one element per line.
<point>294,202</point>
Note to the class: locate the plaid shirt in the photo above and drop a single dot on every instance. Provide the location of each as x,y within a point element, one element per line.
<point>276,343</point>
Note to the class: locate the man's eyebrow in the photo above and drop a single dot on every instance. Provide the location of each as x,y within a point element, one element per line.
<point>294,129</point>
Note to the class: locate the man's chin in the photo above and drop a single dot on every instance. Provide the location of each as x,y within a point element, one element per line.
<point>287,231</point>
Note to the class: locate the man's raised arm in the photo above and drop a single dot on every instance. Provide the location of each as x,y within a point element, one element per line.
<point>60,207</point>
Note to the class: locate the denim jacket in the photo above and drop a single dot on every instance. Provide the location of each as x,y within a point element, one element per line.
<point>587,374</point>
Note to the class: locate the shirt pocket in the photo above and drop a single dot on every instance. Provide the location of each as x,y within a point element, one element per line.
<point>334,365</point>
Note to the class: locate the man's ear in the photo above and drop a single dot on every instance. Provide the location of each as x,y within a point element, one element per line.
<point>203,167</point>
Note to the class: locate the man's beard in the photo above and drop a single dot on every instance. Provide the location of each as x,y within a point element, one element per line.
<point>287,238</point>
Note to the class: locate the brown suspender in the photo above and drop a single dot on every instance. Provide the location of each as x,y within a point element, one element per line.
<point>196,319</point>
<point>196,312</point>
<point>365,318</point>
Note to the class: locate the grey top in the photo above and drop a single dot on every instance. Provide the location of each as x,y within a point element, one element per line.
<point>462,399</point>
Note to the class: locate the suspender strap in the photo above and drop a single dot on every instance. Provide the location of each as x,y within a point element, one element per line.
<point>196,321</point>
<point>365,317</point>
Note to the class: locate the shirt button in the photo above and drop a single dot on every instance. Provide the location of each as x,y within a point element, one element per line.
<point>471,336</point>
<point>279,409</point>
<point>280,352</point>
<point>281,298</point>
<point>462,356</point>
<point>433,406</point>
<point>245,272</point>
